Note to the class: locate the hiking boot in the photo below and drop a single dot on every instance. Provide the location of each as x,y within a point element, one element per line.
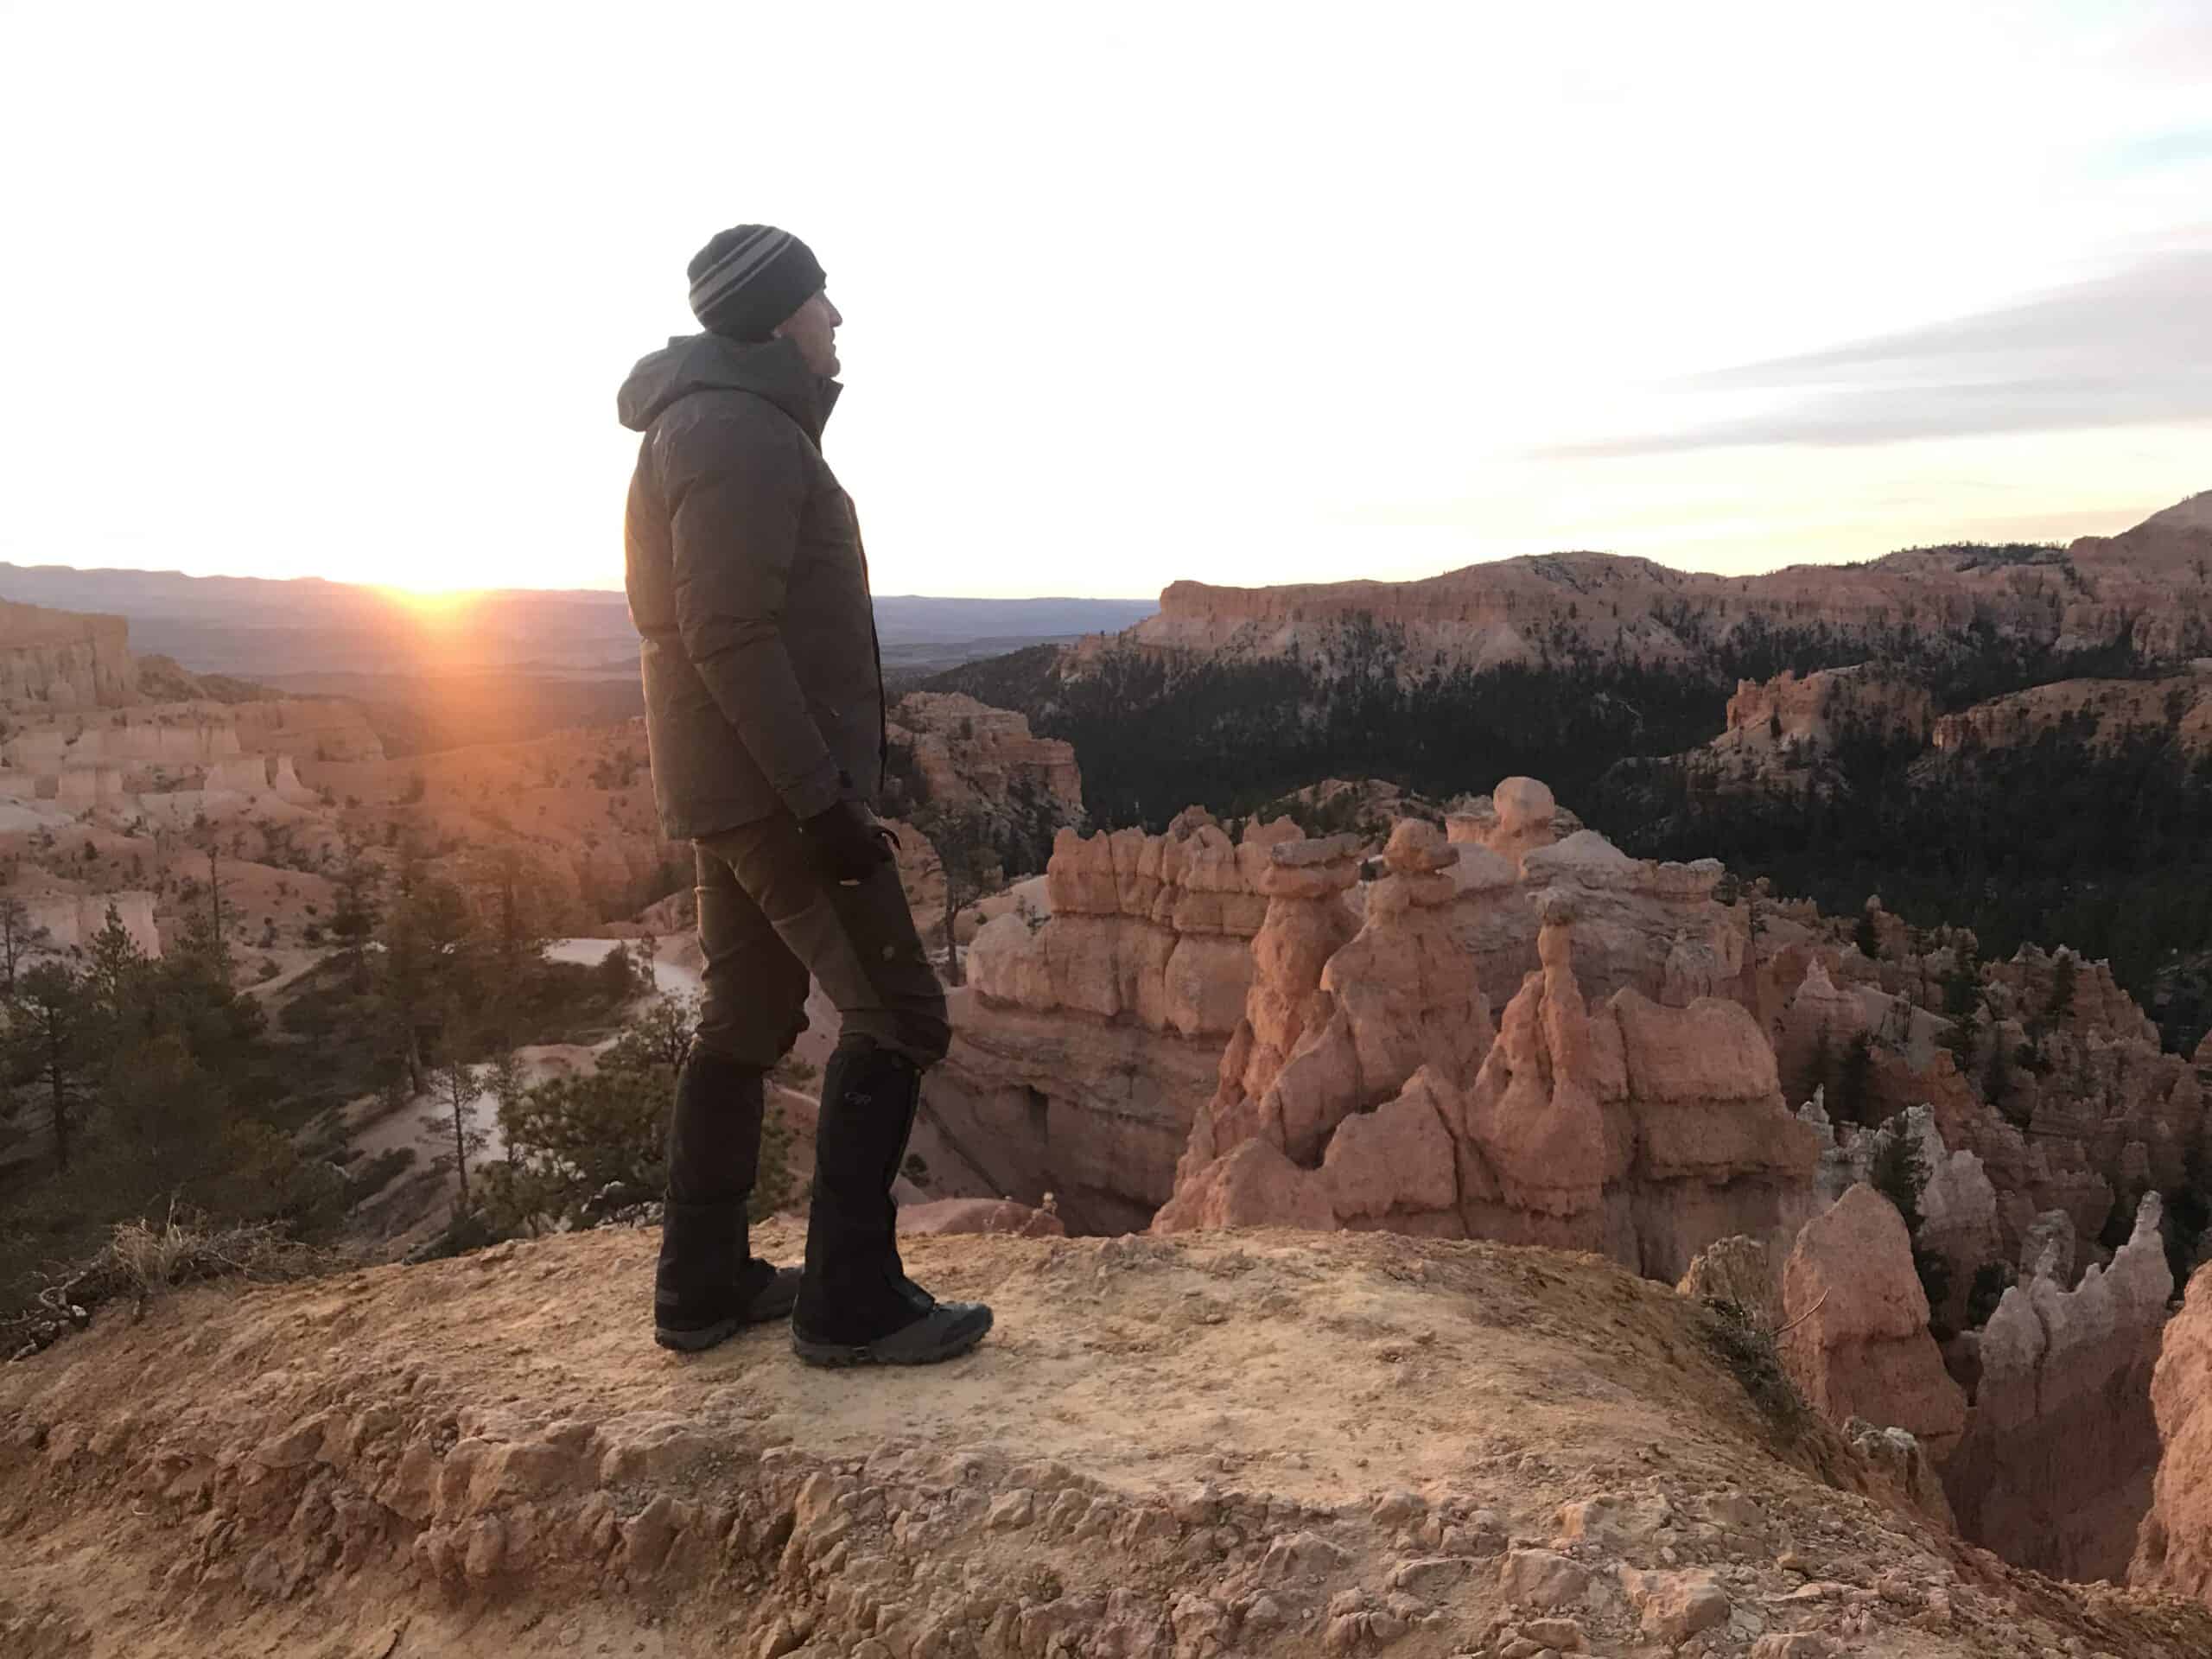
<point>709,1285</point>
<point>855,1305</point>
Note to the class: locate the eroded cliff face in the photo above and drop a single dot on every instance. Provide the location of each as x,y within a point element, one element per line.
<point>1808,711</point>
<point>2147,588</point>
<point>2174,1549</point>
<point>2109,710</point>
<point>2055,1468</point>
<point>1174,1000</point>
<point>969,754</point>
<point>1780,729</point>
<point>2096,1110</point>
<point>1365,1088</point>
<point>1957,1203</point>
<point>64,659</point>
<point>1091,1027</point>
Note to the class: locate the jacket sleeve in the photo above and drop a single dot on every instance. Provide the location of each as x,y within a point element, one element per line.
<point>734,504</point>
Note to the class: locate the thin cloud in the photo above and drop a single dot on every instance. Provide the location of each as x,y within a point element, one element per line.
<point>2153,152</point>
<point>2132,348</point>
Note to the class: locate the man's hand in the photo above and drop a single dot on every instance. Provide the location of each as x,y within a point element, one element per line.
<point>847,844</point>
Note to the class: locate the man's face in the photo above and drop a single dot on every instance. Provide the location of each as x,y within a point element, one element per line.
<point>814,327</point>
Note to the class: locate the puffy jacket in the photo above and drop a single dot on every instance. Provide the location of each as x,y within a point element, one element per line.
<point>764,684</point>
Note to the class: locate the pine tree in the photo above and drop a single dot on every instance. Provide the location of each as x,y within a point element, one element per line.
<point>49,1039</point>
<point>457,1089</point>
<point>971,867</point>
<point>1900,1171</point>
<point>358,881</point>
<point>19,935</point>
<point>116,968</point>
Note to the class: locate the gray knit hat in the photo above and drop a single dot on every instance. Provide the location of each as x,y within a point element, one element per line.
<point>751,277</point>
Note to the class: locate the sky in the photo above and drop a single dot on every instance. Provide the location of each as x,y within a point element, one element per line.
<point>1240,293</point>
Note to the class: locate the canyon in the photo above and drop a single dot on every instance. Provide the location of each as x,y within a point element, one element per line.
<point>1453,1223</point>
<point>1655,1082</point>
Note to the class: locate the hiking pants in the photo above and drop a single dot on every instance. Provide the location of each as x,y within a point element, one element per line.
<point>768,921</point>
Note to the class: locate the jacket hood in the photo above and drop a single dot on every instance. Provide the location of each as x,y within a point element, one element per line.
<point>773,369</point>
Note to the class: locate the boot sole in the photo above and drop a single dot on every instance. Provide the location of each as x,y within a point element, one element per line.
<point>707,1335</point>
<point>913,1347</point>
<point>772,1307</point>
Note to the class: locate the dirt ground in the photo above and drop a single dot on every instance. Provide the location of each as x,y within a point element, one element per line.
<point>1225,1445</point>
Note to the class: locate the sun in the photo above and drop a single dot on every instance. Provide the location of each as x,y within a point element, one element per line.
<point>432,604</point>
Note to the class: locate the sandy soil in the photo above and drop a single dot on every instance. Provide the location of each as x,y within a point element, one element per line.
<point>1235,1444</point>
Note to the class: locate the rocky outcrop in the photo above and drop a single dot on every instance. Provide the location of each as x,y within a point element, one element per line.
<point>1805,713</point>
<point>160,746</point>
<point>2106,712</point>
<point>2139,587</point>
<point>1091,1028</point>
<point>1336,1023</point>
<point>2087,1104</point>
<point>1151,929</point>
<point>1640,1130</point>
<point>1956,1201</point>
<point>1347,1023</point>
<point>968,754</point>
<point>1275,1448</point>
<point>1779,729</point>
<point>2055,1472</point>
<point>2174,1549</point>
<point>1856,1341</point>
<point>70,921</point>
<point>1659,927</point>
<point>64,659</point>
<point>2101,1081</point>
<point>1821,1023</point>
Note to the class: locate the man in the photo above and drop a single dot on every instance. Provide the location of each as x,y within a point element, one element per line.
<point>764,713</point>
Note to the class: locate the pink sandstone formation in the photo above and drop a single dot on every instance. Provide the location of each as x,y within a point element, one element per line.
<point>2101,1111</point>
<point>2139,587</point>
<point>1656,926</point>
<point>64,660</point>
<point>1856,1342</point>
<point>2174,1549</point>
<point>1091,1027</point>
<point>1806,712</point>
<point>2055,1468</point>
<point>1957,1204</point>
<point>70,920</point>
<point>1820,1024</point>
<point>1371,1080</point>
<point>2113,709</point>
<point>970,754</point>
<point>1777,729</point>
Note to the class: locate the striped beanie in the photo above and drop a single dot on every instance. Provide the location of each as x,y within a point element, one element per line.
<point>751,277</point>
